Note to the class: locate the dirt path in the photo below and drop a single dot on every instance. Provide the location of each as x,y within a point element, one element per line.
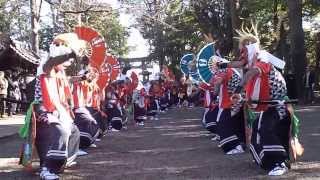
<point>175,147</point>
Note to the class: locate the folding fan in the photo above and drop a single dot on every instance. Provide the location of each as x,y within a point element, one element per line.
<point>204,64</point>
<point>104,75</point>
<point>187,67</point>
<point>115,66</point>
<point>96,45</point>
<point>185,60</point>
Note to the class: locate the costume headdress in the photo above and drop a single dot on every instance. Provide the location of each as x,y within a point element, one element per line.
<point>69,40</point>
<point>248,36</point>
<point>64,44</point>
<point>249,39</point>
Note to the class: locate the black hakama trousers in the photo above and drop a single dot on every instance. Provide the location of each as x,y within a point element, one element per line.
<point>152,110</point>
<point>174,99</point>
<point>114,116</point>
<point>164,102</point>
<point>88,126</point>
<point>230,129</point>
<point>57,145</point>
<point>102,121</point>
<point>139,113</point>
<point>210,120</point>
<point>270,139</point>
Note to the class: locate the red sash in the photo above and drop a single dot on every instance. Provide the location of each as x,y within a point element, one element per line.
<point>78,95</point>
<point>225,101</point>
<point>264,89</point>
<point>96,97</point>
<point>55,89</point>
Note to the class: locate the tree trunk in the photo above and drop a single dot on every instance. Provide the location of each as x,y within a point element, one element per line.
<point>229,42</point>
<point>235,21</point>
<point>298,52</point>
<point>35,11</point>
<point>57,19</point>
<point>275,14</point>
<point>79,14</point>
<point>317,68</point>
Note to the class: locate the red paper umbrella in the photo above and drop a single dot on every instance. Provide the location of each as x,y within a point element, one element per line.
<point>134,81</point>
<point>115,66</point>
<point>97,46</point>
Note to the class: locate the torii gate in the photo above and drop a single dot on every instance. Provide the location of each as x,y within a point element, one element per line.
<point>145,63</point>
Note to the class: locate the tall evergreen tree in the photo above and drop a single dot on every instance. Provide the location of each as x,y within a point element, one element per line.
<point>297,44</point>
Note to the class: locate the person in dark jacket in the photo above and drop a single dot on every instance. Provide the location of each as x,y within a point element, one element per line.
<point>309,84</point>
<point>3,92</point>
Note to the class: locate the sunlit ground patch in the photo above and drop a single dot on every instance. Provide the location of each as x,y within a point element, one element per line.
<point>182,134</point>
<point>194,119</point>
<point>164,150</point>
<point>172,169</point>
<point>9,164</point>
<point>305,168</point>
<point>315,134</point>
<point>165,118</point>
<point>110,163</point>
<point>8,161</point>
<point>176,127</point>
<point>308,109</point>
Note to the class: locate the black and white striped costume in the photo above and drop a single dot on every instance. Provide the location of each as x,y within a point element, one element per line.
<point>230,122</point>
<point>139,108</point>
<point>270,137</point>
<point>57,140</point>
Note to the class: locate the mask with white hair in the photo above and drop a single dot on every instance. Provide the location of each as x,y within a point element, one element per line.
<point>253,49</point>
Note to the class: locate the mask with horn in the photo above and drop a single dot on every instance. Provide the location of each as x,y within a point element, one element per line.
<point>249,45</point>
<point>249,42</point>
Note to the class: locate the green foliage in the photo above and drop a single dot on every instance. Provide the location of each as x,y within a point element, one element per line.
<point>172,25</point>
<point>114,33</point>
<point>14,19</point>
<point>4,21</point>
<point>108,24</point>
<point>171,32</point>
<point>46,37</point>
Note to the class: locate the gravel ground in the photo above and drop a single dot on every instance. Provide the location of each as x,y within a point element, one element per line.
<point>175,147</point>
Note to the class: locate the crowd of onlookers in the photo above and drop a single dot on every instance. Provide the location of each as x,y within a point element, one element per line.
<point>13,90</point>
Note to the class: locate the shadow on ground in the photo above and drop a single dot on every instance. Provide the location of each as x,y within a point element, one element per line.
<point>175,147</point>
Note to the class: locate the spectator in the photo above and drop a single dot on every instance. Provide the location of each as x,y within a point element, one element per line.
<point>23,91</point>
<point>3,93</point>
<point>189,86</point>
<point>309,83</point>
<point>291,84</point>
<point>10,89</point>
<point>14,94</point>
